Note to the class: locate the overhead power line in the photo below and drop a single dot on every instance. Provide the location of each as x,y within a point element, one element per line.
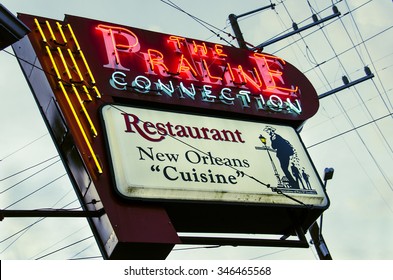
<point>205,24</point>
<point>347,131</point>
<point>30,194</point>
<point>351,48</point>
<point>27,228</point>
<point>297,30</point>
<point>28,177</point>
<point>28,168</point>
<point>28,144</point>
<point>65,247</point>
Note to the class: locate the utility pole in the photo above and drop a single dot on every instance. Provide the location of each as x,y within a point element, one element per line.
<point>236,29</point>
<point>235,25</point>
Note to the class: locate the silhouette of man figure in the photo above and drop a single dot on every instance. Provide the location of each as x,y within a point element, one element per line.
<point>296,174</point>
<point>306,176</point>
<point>284,151</point>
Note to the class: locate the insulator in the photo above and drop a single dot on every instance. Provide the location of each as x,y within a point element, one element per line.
<point>368,71</point>
<point>294,25</point>
<point>345,80</point>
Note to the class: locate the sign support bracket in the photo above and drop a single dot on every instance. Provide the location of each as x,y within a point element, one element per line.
<point>233,241</point>
<point>54,213</point>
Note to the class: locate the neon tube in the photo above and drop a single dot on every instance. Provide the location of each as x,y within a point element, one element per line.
<point>98,165</point>
<point>64,63</point>
<point>60,27</point>
<point>93,81</point>
<point>51,31</point>
<point>87,93</point>
<point>98,94</point>
<point>40,30</point>
<point>75,64</point>
<point>53,62</point>
<point>73,37</point>
<point>92,127</point>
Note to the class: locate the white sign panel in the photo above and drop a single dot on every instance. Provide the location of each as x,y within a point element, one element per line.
<point>173,156</point>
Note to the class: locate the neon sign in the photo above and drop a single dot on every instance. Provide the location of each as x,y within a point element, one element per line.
<point>122,64</point>
<point>188,65</point>
<point>118,100</point>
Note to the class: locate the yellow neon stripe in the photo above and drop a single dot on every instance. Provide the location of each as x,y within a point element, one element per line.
<point>98,94</point>
<point>92,127</point>
<point>40,30</point>
<point>50,31</point>
<point>93,81</point>
<point>81,128</point>
<point>75,65</point>
<point>64,63</point>
<point>59,26</point>
<point>53,63</point>
<point>87,93</point>
<point>73,37</point>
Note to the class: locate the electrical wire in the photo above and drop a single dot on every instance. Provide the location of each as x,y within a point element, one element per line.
<point>27,228</point>
<point>197,248</point>
<point>349,49</point>
<point>28,144</point>
<point>205,24</point>
<point>303,21</point>
<point>65,247</point>
<point>86,258</point>
<point>269,254</point>
<point>58,242</point>
<point>309,52</point>
<point>29,177</point>
<point>19,231</point>
<point>371,60</point>
<point>386,178</point>
<point>357,92</point>
<point>28,168</point>
<point>81,251</point>
<point>336,56</point>
<point>347,131</point>
<point>22,232</point>
<point>317,30</point>
<point>35,191</point>
<point>366,173</point>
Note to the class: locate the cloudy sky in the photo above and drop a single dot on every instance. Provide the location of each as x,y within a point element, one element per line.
<point>352,131</point>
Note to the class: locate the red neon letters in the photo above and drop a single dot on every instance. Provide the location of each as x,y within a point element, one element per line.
<point>188,60</point>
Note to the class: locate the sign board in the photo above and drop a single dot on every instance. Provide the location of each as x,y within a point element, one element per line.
<point>171,156</point>
<point>170,134</point>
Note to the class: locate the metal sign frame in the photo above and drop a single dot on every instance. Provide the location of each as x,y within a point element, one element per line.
<point>70,85</point>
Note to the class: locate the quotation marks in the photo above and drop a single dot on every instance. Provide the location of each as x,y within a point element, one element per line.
<point>155,168</point>
<point>239,173</point>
